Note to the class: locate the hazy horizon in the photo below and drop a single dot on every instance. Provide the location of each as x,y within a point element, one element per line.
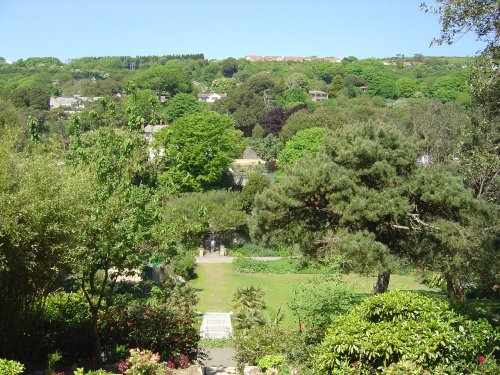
<point>221,28</point>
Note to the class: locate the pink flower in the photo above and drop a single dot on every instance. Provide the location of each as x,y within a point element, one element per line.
<point>122,366</point>
<point>355,364</point>
<point>481,359</point>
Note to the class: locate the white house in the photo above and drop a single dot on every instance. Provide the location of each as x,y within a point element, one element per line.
<point>150,130</point>
<point>425,159</point>
<point>317,95</point>
<point>210,97</point>
<point>56,102</point>
<point>76,101</point>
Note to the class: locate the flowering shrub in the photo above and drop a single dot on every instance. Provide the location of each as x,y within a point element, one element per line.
<point>145,362</point>
<point>170,333</point>
<point>407,330</point>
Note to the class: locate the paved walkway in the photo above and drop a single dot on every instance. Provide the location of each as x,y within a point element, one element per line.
<point>220,370</point>
<point>220,357</point>
<point>216,258</point>
<point>220,361</point>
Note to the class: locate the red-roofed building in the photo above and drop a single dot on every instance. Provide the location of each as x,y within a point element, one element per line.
<point>293,58</point>
<point>332,59</point>
<point>273,58</point>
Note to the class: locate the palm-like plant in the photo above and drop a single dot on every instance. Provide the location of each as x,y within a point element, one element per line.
<point>247,319</point>
<point>248,298</point>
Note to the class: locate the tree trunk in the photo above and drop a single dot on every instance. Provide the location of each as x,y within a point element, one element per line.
<point>97,339</point>
<point>454,289</point>
<point>382,283</point>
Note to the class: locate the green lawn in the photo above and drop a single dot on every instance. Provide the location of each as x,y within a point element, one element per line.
<point>216,284</point>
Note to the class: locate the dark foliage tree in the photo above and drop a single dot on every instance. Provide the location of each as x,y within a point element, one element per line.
<point>244,106</point>
<point>272,122</point>
<point>256,183</point>
<point>33,97</point>
<point>364,199</point>
<point>458,17</point>
<point>229,66</point>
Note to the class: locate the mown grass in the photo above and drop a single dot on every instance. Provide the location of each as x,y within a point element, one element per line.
<point>216,284</point>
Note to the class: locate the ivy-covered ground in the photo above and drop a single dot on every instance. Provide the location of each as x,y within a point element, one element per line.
<point>216,284</point>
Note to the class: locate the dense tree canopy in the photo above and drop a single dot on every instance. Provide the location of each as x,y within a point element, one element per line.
<point>197,151</point>
<point>364,198</point>
<point>181,105</point>
<point>43,203</point>
<point>122,199</point>
<point>305,142</point>
<point>164,80</point>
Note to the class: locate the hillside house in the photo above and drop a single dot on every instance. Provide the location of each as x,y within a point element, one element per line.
<point>317,95</point>
<point>57,102</point>
<point>151,130</point>
<point>293,58</point>
<point>273,58</point>
<point>253,58</point>
<point>332,59</point>
<point>425,159</point>
<point>210,97</point>
<point>76,101</point>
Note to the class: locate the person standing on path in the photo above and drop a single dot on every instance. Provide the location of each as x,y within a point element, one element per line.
<point>212,245</point>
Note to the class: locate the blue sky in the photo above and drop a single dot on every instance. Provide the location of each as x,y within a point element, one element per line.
<point>221,28</point>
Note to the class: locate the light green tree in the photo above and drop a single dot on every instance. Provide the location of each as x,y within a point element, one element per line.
<point>43,205</point>
<point>34,129</point>
<point>223,85</point>
<point>121,213</point>
<point>181,105</point>
<point>297,80</point>
<point>406,87</point>
<point>198,151</point>
<point>142,107</point>
<point>305,142</point>
<point>164,80</point>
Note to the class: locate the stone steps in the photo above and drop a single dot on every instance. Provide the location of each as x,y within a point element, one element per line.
<point>216,326</point>
<point>220,370</point>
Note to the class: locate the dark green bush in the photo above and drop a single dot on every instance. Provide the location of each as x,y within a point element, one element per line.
<point>169,331</point>
<point>403,326</point>
<point>246,265</point>
<point>252,250</point>
<point>66,326</point>
<point>184,265</point>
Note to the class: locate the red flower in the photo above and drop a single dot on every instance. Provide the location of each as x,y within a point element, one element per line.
<point>481,359</point>
<point>355,364</point>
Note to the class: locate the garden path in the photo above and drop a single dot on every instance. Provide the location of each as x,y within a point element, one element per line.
<point>220,361</point>
<point>216,258</point>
